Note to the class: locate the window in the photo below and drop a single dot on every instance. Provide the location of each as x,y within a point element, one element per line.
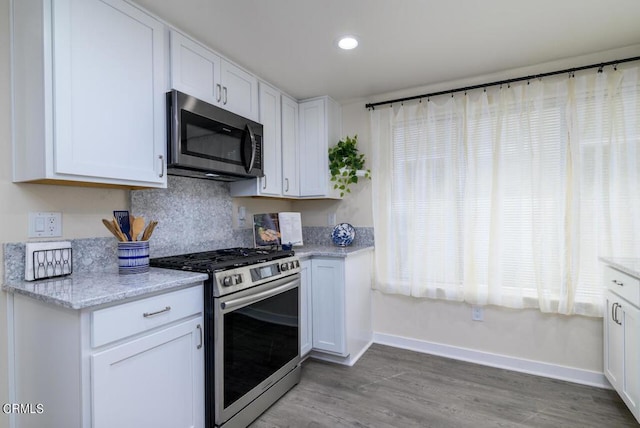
<point>509,196</point>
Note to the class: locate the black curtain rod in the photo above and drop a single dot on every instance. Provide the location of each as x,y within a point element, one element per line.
<point>502,82</point>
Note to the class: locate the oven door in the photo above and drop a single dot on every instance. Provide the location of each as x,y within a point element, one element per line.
<point>256,343</point>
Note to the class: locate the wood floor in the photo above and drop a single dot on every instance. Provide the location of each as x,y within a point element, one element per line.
<point>390,387</point>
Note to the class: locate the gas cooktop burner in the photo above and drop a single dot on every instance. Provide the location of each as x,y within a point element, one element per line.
<point>219,260</point>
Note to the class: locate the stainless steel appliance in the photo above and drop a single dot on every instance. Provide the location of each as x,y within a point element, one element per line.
<point>252,329</point>
<point>205,141</point>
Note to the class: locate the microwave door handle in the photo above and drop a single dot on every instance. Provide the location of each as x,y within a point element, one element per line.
<point>252,139</point>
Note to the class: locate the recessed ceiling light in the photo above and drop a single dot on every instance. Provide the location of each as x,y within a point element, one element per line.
<point>348,42</point>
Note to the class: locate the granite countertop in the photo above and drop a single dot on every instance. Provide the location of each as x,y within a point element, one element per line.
<point>628,265</point>
<point>84,290</point>
<point>305,251</point>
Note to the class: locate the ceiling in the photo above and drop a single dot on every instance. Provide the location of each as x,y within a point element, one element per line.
<point>403,44</point>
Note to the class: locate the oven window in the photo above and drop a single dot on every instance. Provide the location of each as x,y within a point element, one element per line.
<point>259,339</point>
<point>205,138</point>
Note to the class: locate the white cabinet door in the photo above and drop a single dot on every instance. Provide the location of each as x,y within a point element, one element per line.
<point>328,305</point>
<point>622,349</point>
<point>613,341</point>
<point>271,183</point>
<point>202,73</point>
<point>89,93</point>
<point>154,381</point>
<point>239,91</point>
<point>290,165</point>
<point>630,388</point>
<point>108,86</point>
<point>306,308</point>
<point>195,70</point>
<point>320,128</point>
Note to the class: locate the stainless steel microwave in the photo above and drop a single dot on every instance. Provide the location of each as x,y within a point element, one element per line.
<point>205,141</point>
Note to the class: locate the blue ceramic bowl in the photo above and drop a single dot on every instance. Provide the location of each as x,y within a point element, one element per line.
<point>343,234</point>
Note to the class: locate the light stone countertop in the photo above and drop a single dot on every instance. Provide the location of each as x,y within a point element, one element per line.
<point>306,251</point>
<point>82,290</point>
<point>85,290</point>
<point>628,265</point>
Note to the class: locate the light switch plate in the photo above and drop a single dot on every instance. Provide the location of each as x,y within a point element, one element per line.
<point>45,225</point>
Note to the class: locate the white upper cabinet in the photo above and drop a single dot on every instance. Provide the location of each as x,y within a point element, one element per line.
<point>239,91</point>
<point>271,183</point>
<point>200,72</point>
<point>301,158</point>
<point>279,117</point>
<point>320,128</point>
<point>290,165</point>
<point>88,92</point>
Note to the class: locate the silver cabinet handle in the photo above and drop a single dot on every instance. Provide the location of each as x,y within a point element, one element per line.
<point>286,180</point>
<point>199,327</point>
<point>614,313</point>
<point>161,165</point>
<point>150,314</point>
<point>264,182</point>
<point>224,91</point>
<point>218,92</point>
<point>621,284</point>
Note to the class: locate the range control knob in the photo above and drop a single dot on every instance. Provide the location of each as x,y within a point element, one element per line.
<point>284,266</point>
<point>232,280</point>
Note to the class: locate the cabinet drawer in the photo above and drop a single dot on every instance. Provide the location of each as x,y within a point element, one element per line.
<point>117,322</point>
<point>623,285</point>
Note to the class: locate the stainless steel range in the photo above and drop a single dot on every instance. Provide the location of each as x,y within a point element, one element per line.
<point>252,329</point>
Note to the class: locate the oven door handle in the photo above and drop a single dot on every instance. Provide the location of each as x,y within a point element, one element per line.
<point>247,300</point>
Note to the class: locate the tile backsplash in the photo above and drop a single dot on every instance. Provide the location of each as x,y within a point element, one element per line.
<point>193,215</point>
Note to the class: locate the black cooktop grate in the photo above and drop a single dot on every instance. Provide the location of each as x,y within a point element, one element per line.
<point>218,260</point>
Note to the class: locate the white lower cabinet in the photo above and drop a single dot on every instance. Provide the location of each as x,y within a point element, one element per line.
<point>328,297</point>
<point>167,392</point>
<point>622,337</point>
<point>341,307</point>
<point>306,321</point>
<point>136,364</point>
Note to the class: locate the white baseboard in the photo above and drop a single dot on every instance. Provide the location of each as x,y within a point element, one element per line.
<point>349,360</point>
<point>584,377</point>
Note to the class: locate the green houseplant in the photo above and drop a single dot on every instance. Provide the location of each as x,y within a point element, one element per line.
<point>346,164</point>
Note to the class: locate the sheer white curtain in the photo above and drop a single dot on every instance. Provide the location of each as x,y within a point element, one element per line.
<point>508,196</point>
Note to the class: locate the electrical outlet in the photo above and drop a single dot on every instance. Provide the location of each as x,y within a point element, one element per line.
<point>477,313</point>
<point>331,219</point>
<point>45,225</point>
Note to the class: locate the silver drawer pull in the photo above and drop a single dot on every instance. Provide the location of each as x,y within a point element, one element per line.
<point>150,314</point>
<point>199,327</point>
<point>617,283</point>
